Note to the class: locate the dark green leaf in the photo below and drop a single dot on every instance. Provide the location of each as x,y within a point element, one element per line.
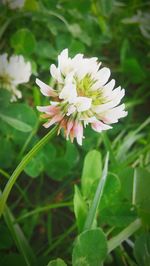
<point>23,42</point>
<point>57,262</point>
<point>19,125</point>
<point>80,208</point>
<point>141,195</point>
<point>92,171</point>
<point>90,248</point>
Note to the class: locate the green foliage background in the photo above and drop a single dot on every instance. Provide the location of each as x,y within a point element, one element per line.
<point>40,222</point>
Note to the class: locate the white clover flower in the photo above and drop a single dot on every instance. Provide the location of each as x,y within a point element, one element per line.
<point>14,72</point>
<point>82,96</point>
<point>14,4</point>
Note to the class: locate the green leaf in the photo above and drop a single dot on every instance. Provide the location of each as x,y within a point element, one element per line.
<point>76,47</point>
<point>141,195</point>
<point>142,249</point>
<point>31,5</point>
<point>5,150</point>
<point>118,214</point>
<point>46,50</point>
<point>5,97</point>
<point>106,6</point>
<point>80,208</point>
<point>90,248</point>
<point>111,189</point>
<point>20,116</point>
<point>31,169</point>
<point>23,42</point>
<point>92,170</point>
<point>19,125</point>
<point>126,179</point>
<point>57,262</point>
<point>66,161</point>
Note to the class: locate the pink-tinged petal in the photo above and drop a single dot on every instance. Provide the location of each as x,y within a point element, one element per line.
<point>63,124</point>
<point>69,127</point>
<point>45,89</point>
<point>72,135</point>
<point>51,110</point>
<point>99,126</point>
<point>78,132</point>
<point>55,119</point>
<point>45,116</point>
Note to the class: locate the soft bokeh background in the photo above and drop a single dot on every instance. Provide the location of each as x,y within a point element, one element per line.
<point>118,33</point>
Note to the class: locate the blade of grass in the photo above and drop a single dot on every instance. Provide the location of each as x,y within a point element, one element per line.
<point>22,165</point>
<point>44,209</point>
<point>60,239</point>
<point>124,235</point>
<point>19,238</point>
<point>99,192</point>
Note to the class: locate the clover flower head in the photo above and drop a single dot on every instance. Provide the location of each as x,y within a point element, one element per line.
<point>14,4</point>
<point>82,96</point>
<point>14,72</point>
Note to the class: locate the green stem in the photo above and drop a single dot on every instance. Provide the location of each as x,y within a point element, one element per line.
<point>45,209</point>
<point>97,197</point>
<point>22,165</point>
<point>28,140</point>
<point>125,234</point>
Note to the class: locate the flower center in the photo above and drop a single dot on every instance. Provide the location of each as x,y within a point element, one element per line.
<point>84,89</point>
<point>5,81</point>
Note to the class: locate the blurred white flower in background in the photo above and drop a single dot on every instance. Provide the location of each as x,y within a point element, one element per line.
<point>82,96</point>
<point>14,4</point>
<point>14,72</point>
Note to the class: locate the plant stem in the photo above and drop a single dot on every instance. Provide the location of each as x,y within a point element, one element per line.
<point>92,212</point>
<point>22,165</point>
<point>125,234</point>
<point>45,209</point>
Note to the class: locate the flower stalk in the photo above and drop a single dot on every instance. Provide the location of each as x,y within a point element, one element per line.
<point>22,165</point>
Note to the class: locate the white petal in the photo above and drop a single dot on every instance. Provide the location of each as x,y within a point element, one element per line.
<point>107,89</point>
<point>111,116</point>
<point>55,72</point>
<point>83,103</point>
<point>68,93</point>
<point>102,77</point>
<point>112,103</point>
<point>71,110</point>
<point>64,62</point>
